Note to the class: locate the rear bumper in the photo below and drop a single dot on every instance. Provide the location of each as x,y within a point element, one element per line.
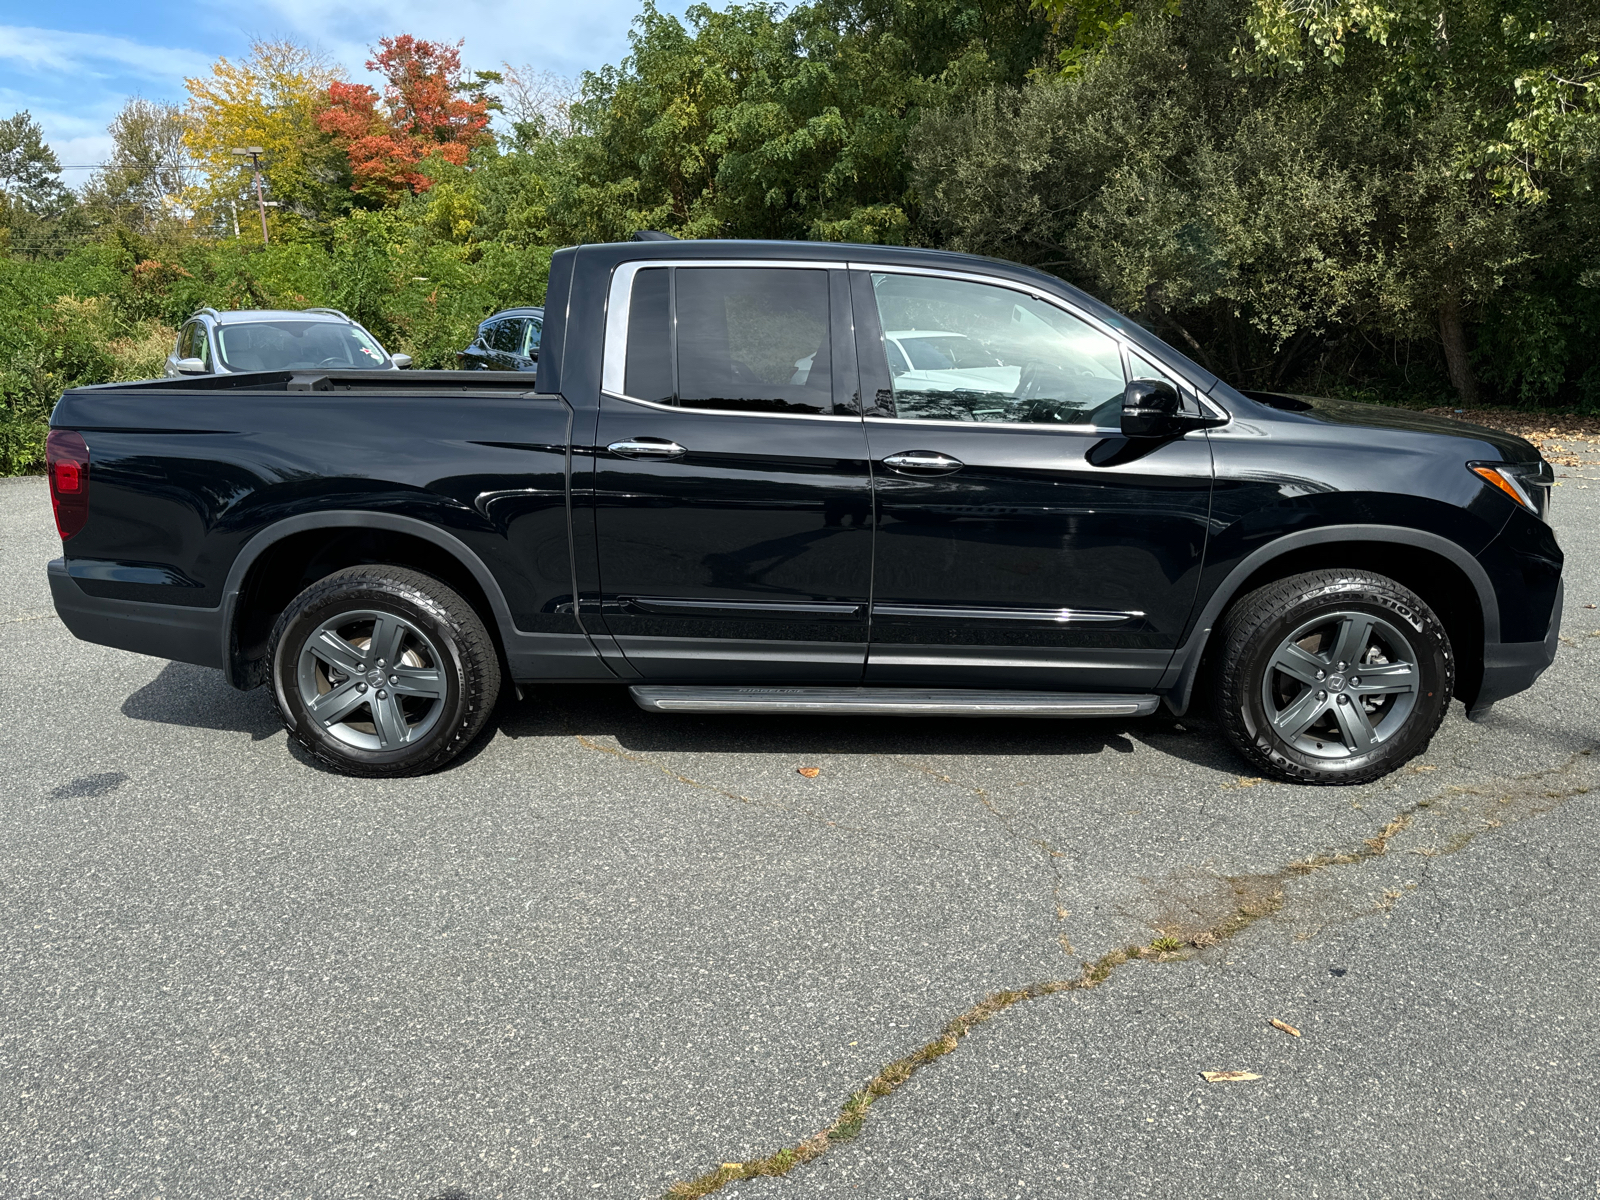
<point>1512,667</point>
<point>191,635</point>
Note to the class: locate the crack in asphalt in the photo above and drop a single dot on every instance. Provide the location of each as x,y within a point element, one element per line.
<point>1256,896</point>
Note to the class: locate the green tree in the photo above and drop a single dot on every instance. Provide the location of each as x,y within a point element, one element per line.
<point>751,123</point>
<point>270,98</point>
<point>144,185</point>
<point>38,215</point>
<point>1497,96</point>
<point>1280,218</point>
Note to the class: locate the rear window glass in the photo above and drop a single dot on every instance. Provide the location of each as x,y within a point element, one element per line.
<point>291,345</point>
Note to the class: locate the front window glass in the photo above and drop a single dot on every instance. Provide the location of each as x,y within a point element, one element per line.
<point>961,351</point>
<point>200,347</point>
<point>291,345</point>
<point>530,343</point>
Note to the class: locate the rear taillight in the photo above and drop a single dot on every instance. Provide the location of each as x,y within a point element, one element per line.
<point>66,457</point>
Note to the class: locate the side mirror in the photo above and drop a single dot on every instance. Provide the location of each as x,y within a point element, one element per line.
<point>1151,409</point>
<point>401,361</point>
<point>191,366</point>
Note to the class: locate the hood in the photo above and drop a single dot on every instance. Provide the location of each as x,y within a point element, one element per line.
<point>1376,416</point>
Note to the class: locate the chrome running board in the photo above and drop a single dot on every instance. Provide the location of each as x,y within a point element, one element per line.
<point>885,701</point>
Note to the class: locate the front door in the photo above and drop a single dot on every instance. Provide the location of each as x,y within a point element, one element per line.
<point>732,491</point>
<point>1021,541</point>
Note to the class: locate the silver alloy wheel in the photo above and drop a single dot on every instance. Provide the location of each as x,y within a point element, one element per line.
<point>372,680</point>
<point>1341,684</point>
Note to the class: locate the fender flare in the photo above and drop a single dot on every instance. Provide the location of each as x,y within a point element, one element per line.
<point>266,538</point>
<point>1180,676</point>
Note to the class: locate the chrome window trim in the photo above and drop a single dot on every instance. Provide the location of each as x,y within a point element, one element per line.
<point>1036,427</point>
<point>730,412</point>
<point>614,356</point>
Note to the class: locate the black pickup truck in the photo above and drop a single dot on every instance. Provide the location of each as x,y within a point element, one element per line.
<point>765,477</point>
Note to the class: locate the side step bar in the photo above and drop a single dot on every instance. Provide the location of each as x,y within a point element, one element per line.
<point>884,701</point>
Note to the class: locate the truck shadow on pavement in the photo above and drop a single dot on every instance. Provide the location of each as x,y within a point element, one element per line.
<point>603,711</point>
<point>201,698</point>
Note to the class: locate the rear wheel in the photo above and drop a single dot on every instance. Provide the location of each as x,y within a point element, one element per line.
<point>1333,677</point>
<point>383,671</point>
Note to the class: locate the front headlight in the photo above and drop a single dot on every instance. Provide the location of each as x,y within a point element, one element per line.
<point>1528,483</point>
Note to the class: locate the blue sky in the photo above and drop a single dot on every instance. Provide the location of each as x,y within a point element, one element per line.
<point>73,65</point>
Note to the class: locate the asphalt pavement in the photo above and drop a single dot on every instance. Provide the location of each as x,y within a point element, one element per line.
<point>610,950</point>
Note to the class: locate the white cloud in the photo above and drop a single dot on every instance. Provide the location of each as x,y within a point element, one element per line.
<point>64,52</point>
<point>559,35</point>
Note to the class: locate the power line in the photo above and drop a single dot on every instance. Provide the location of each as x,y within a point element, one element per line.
<point>108,166</point>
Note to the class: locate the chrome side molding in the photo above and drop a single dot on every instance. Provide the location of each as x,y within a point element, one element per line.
<point>1059,616</point>
<point>884,701</point>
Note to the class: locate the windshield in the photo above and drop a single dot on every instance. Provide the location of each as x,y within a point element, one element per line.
<point>291,345</point>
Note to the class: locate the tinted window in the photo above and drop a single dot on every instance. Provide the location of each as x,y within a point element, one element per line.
<point>753,338</point>
<point>200,346</point>
<point>505,336</point>
<point>530,343</point>
<point>185,340</point>
<point>291,345</point>
<point>648,374</point>
<point>960,351</point>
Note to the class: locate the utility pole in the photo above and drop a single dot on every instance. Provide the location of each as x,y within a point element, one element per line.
<point>254,153</point>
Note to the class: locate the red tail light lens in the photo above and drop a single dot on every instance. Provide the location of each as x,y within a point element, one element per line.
<point>66,457</point>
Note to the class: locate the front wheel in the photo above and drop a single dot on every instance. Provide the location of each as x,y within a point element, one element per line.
<point>1333,677</point>
<point>383,671</point>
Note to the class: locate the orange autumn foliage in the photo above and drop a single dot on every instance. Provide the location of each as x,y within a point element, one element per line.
<point>423,111</point>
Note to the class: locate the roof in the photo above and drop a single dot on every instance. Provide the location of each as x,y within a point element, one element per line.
<point>244,316</point>
<point>524,311</point>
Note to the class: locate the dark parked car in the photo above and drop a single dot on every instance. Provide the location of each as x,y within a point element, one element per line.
<point>766,477</point>
<point>260,339</point>
<point>507,341</point>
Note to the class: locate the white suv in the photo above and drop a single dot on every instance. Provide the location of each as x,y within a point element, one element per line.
<point>214,343</point>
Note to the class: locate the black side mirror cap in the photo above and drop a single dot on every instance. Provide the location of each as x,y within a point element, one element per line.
<point>1151,408</point>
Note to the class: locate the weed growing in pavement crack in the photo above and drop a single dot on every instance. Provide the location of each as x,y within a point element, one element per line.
<point>1253,897</point>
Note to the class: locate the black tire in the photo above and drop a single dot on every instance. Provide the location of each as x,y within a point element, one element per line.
<point>1277,639</point>
<point>445,681</point>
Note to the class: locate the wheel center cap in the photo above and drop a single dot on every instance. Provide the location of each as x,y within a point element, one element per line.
<point>1335,683</point>
<point>374,677</point>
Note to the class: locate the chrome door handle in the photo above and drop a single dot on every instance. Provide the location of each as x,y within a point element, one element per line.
<point>923,462</point>
<point>647,447</point>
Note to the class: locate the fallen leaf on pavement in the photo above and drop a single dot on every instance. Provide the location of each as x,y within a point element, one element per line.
<point>1227,1076</point>
<point>1284,1025</point>
<point>810,772</point>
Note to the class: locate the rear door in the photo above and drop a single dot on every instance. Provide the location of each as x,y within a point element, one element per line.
<point>732,488</point>
<point>1021,540</point>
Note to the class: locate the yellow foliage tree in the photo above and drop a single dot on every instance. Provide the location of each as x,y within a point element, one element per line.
<point>269,99</point>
